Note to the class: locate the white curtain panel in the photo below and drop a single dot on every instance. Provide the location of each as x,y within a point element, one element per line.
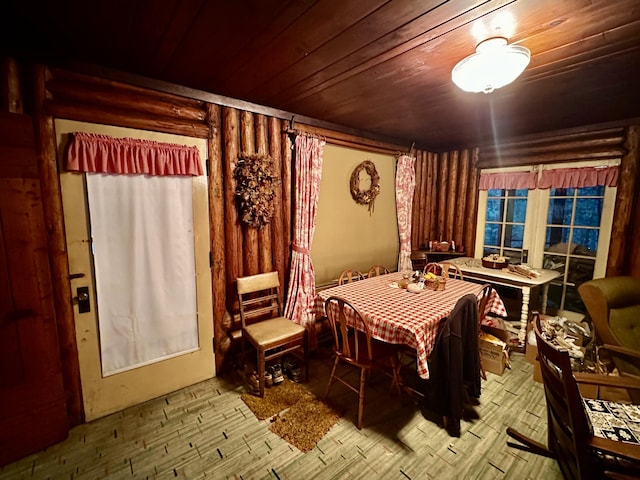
<point>143,247</point>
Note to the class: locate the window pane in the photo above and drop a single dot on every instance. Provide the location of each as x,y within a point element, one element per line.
<point>554,262</point>
<point>521,192</point>
<point>494,210</point>
<point>495,192</point>
<point>556,240</point>
<point>489,251</point>
<point>513,236</point>
<point>591,191</point>
<point>492,233</point>
<point>588,212</point>
<point>513,256</point>
<point>554,298</point>
<point>572,300</point>
<point>580,270</point>
<point>586,241</point>
<point>561,192</point>
<point>560,210</point>
<point>516,210</point>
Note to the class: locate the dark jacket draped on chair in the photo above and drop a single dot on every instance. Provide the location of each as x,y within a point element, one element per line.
<point>455,362</point>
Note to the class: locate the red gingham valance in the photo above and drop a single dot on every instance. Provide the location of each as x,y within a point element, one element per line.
<point>508,181</point>
<point>94,153</point>
<point>579,177</point>
<point>551,178</point>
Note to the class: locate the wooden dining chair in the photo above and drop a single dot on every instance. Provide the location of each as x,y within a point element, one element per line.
<point>377,270</point>
<point>263,325</point>
<point>483,299</point>
<point>418,259</point>
<point>354,346</point>
<point>571,440</point>
<point>451,270</point>
<point>349,276</point>
<point>433,267</point>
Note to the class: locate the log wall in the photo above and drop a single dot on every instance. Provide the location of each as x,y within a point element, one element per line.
<point>445,198</point>
<point>236,249</point>
<point>581,144</point>
<point>625,233</point>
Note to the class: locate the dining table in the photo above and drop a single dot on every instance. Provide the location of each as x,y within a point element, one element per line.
<point>399,316</point>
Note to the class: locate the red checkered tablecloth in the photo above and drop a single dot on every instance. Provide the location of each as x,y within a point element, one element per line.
<point>401,317</point>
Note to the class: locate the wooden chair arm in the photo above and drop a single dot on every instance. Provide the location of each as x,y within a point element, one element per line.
<point>617,448</point>
<point>619,476</point>
<point>622,350</point>
<point>608,380</point>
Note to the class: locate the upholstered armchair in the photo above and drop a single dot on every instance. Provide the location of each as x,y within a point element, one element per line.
<point>613,303</point>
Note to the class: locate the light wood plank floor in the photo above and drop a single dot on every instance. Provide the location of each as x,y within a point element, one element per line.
<point>206,431</point>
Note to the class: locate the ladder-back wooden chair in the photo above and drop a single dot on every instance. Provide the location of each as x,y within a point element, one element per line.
<point>263,325</point>
<point>354,346</point>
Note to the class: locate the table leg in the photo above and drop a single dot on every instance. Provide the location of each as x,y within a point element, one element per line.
<point>545,292</point>
<point>524,314</point>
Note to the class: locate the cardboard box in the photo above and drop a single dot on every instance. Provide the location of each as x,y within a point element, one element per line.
<point>494,349</point>
<point>531,353</point>
<point>531,350</point>
<point>537,374</point>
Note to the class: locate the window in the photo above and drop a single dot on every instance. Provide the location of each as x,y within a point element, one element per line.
<point>562,229</point>
<point>571,241</point>
<point>505,222</point>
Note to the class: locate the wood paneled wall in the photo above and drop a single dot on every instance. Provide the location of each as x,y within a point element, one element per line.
<point>445,198</point>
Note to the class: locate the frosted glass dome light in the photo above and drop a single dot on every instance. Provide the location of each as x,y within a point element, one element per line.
<point>494,65</point>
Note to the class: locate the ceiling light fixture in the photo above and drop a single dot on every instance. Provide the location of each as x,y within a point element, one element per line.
<point>494,65</point>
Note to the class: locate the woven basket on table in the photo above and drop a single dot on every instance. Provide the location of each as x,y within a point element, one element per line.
<point>436,284</point>
<point>494,265</point>
<point>440,246</point>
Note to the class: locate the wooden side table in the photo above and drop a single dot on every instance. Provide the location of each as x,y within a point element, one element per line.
<point>420,257</point>
<point>472,269</point>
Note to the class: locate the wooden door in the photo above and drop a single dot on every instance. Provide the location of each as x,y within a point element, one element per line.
<point>103,395</point>
<point>32,401</point>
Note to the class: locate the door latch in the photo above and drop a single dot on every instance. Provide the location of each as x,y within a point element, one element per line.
<point>82,298</point>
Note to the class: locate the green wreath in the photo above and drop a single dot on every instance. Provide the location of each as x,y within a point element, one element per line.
<point>365,197</point>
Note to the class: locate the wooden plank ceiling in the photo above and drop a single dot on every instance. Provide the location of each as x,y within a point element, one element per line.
<point>378,66</point>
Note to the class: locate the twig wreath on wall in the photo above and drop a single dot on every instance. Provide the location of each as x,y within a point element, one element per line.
<point>256,182</point>
<point>365,197</point>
